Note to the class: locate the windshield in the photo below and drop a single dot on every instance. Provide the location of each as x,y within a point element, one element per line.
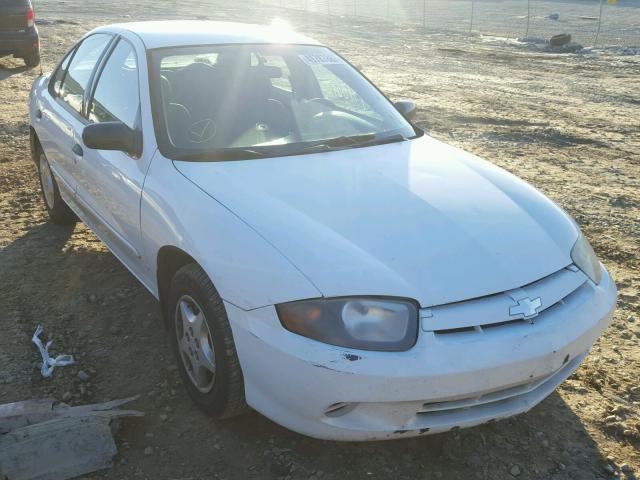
<point>227,102</point>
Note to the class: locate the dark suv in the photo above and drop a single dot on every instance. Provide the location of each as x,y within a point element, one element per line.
<point>18,32</point>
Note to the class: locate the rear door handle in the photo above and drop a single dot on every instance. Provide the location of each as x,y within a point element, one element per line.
<point>77,149</point>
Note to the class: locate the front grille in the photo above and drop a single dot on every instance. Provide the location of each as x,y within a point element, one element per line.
<point>478,328</point>
<point>480,315</point>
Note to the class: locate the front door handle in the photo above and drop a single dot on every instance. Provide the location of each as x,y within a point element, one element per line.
<point>77,149</point>
<point>39,114</point>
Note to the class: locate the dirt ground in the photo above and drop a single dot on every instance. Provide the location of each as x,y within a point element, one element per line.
<point>569,124</point>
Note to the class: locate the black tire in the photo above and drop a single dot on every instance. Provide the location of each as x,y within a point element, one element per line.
<point>59,212</point>
<point>32,60</point>
<point>225,398</point>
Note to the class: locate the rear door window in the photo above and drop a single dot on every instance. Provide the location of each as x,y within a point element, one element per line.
<point>80,69</point>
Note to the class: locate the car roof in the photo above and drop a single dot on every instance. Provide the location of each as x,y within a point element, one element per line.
<point>175,33</point>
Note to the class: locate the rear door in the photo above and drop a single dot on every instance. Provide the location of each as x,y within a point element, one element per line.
<point>63,108</point>
<point>13,16</point>
<point>51,128</point>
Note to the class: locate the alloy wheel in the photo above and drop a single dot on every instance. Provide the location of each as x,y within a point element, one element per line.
<point>195,343</point>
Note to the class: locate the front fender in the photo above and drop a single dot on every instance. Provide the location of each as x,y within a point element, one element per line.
<point>246,270</point>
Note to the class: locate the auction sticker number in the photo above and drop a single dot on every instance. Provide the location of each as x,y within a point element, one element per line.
<point>320,59</point>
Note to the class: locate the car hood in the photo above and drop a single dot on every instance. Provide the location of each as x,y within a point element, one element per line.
<point>417,219</point>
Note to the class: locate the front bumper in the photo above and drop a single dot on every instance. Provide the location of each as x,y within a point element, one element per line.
<point>444,382</point>
<point>19,44</point>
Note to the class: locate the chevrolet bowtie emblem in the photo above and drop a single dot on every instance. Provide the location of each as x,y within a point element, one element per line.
<point>526,307</point>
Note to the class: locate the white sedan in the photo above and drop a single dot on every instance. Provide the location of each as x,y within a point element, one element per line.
<point>317,256</point>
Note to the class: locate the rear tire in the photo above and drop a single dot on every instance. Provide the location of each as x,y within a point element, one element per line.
<point>32,60</point>
<point>59,211</point>
<point>202,342</point>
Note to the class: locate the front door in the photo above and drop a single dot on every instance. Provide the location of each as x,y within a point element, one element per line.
<point>110,182</point>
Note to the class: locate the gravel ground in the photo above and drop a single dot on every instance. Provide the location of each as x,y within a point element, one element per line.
<point>569,124</point>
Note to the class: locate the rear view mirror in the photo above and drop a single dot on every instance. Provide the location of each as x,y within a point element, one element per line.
<point>112,136</point>
<point>407,108</point>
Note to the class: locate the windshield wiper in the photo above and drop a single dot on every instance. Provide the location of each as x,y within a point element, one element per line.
<point>338,143</point>
<point>221,154</point>
<point>381,141</point>
<point>366,140</point>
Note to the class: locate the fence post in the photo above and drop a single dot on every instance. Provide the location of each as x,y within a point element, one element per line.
<point>595,41</point>
<point>526,35</point>
<point>471,24</point>
<point>424,14</point>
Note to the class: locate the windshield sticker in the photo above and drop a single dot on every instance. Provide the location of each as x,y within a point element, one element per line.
<point>321,59</point>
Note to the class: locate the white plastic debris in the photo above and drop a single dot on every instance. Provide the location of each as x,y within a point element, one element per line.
<point>48,363</point>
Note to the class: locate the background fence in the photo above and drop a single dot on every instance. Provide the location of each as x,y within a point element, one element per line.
<point>590,22</point>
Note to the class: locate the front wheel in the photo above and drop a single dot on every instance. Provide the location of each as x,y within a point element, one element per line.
<point>203,344</point>
<point>58,210</point>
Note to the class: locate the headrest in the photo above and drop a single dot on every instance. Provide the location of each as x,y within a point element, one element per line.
<point>266,71</point>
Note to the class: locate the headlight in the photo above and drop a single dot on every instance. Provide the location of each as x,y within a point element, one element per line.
<point>362,323</point>
<point>585,259</point>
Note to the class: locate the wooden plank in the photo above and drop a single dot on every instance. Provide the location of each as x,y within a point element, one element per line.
<point>45,440</point>
<point>57,450</point>
<point>20,414</point>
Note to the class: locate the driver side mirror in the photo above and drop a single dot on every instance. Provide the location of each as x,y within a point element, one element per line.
<point>407,109</point>
<point>112,136</point>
